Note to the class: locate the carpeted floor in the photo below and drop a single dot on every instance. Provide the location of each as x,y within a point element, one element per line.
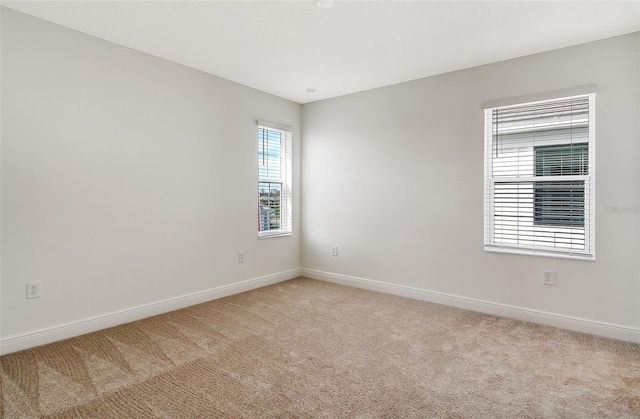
<point>309,349</point>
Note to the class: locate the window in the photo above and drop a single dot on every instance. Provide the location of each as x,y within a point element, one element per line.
<point>539,178</point>
<point>274,179</point>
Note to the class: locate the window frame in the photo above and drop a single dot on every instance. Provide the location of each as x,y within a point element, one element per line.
<point>285,179</point>
<point>493,240</point>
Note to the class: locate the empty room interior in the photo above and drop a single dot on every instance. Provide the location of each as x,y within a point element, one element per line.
<point>320,209</point>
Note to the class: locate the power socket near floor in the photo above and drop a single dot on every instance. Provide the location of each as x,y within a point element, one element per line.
<point>548,277</point>
<point>33,289</point>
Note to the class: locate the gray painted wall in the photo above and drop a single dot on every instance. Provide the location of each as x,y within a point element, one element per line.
<point>126,179</point>
<point>394,177</point>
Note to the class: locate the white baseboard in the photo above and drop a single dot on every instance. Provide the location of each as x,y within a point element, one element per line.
<point>81,327</point>
<point>609,330</point>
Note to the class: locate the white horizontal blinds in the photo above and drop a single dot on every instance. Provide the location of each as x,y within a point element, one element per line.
<point>269,154</point>
<point>539,177</point>
<point>274,180</point>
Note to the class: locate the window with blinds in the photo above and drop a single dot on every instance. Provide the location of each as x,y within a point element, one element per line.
<point>539,178</point>
<point>274,179</point>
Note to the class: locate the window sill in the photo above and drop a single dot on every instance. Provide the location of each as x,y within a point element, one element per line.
<point>542,253</point>
<point>272,234</point>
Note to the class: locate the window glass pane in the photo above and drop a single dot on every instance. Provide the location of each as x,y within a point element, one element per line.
<point>559,203</point>
<point>562,160</point>
<point>270,205</point>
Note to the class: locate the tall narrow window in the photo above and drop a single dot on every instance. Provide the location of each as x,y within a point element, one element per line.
<point>274,179</point>
<point>539,178</point>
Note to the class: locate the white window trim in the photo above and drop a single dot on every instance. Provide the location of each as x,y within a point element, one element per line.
<point>286,208</point>
<point>489,228</point>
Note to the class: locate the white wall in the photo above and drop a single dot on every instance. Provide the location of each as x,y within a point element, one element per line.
<point>126,179</point>
<point>394,177</point>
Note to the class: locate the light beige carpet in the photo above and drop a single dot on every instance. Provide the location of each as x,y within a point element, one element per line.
<point>309,349</point>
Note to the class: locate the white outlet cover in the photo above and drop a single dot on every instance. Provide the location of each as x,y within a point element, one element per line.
<point>33,289</point>
<point>548,277</point>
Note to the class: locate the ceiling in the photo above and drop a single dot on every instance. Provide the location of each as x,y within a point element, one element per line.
<point>288,47</point>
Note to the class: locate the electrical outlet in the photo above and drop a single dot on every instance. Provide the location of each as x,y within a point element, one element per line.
<point>33,289</point>
<point>334,250</point>
<point>241,256</point>
<point>548,277</point>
